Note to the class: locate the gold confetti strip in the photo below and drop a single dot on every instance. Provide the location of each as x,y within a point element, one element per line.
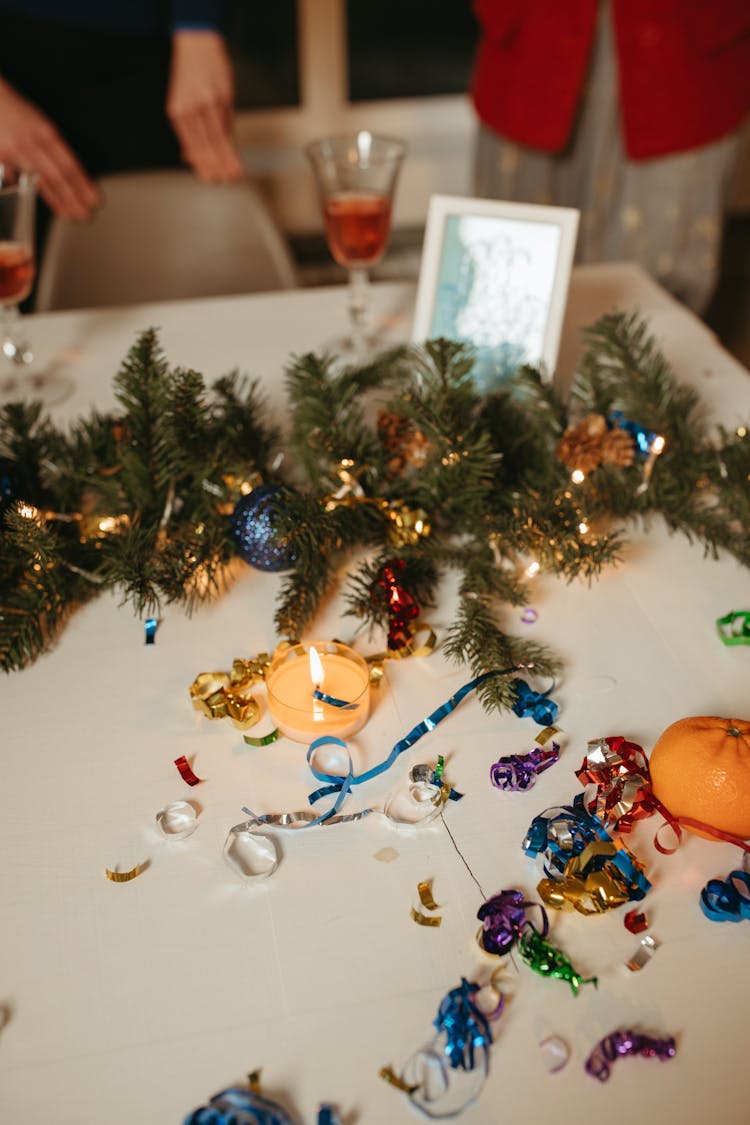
<point>253,1081</point>
<point>546,734</point>
<point>425,895</point>
<point>425,919</point>
<point>388,1075</point>
<point>125,876</point>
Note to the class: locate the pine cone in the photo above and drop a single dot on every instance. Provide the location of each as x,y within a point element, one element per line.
<point>409,446</point>
<point>618,448</point>
<point>580,447</point>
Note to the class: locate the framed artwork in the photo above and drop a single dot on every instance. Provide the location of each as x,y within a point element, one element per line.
<point>496,275</point>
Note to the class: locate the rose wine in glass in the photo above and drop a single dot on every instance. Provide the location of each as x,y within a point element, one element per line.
<point>356,177</point>
<point>17,266</point>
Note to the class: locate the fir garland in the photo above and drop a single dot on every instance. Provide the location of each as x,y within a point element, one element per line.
<point>140,501</point>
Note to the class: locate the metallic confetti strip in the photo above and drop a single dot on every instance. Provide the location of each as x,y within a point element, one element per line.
<point>125,876</point>
<point>150,625</point>
<point>643,954</point>
<point>734,627</point>
<point>186,771</point>
<point>263,740</point>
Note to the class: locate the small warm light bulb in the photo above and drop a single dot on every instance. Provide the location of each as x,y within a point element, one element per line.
<point>28,511</point>
<point>658,444</point>
<point>583,527</point>
<point>107,523</point>
<point>532,569</point>
<point>577,476</point>
<point>317,675</point>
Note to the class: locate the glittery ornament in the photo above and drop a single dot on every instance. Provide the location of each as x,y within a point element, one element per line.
<point>254,530</point>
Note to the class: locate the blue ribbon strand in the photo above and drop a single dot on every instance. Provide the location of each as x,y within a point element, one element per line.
<point>340,785</point>
<point>333,701</point>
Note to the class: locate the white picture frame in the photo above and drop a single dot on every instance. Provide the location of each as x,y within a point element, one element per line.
<point>496,275</point>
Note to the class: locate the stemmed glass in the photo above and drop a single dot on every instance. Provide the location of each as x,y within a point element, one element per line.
<point>17,267</point>
<point>356,177</point>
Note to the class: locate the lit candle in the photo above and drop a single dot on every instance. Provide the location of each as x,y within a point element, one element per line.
<point>329,667</point>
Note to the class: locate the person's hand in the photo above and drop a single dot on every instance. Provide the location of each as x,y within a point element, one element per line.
<point>29,142</point>
<point>199,104</point>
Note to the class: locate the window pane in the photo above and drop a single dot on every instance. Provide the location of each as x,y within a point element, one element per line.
<point>263,45</point>
<point>409,48</point>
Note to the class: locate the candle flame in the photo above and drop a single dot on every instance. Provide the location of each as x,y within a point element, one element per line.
<point>317,675</point>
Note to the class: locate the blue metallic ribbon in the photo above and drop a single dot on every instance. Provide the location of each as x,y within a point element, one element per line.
<point>466,1029</point>
<point>562,832</point>
<point>537,704</point>
<point>239,1106</point>
<point>151,625</point>
<point>342,785</point>
<point>643,438</point>
<point>333,701</point>
<point>727,900</point>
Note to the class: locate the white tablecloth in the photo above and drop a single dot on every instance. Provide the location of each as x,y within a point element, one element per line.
<point>135,1002</point>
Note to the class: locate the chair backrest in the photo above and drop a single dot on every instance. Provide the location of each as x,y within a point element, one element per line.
<point>161,236</point>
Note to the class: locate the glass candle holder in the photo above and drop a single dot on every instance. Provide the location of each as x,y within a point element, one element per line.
<point>335,672</point>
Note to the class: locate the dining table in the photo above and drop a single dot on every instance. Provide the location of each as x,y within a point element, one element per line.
<point>135,1002</point>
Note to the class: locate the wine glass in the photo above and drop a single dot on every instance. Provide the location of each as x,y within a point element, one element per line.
<point>18,197</point>
<point>356,176</point>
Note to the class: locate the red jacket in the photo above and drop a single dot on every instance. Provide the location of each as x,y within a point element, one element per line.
<point>684,70</point>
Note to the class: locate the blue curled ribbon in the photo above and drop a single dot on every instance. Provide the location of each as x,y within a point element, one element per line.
<point>528,702</point>
<point>465,1027</point>
<point>239,1106</point>
<point>643,438</point>
<point>341,785</point>
<point>727,900</point>
<point>564,831</point>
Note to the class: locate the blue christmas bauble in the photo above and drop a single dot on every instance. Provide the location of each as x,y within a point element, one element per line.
<point>254,530</point>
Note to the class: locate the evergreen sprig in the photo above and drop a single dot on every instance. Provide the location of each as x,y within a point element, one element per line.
<point>139,501</point>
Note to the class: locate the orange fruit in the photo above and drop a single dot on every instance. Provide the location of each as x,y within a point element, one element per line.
<point>700,768</point>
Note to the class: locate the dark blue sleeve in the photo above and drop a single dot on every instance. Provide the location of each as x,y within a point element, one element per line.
<point>198,13</point>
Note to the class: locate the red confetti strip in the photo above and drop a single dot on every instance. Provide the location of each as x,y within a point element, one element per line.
<point>186,772</point>
<point>636,922</point>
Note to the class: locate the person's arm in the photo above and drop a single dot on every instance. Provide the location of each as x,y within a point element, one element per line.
<point>200,98</point>
<point>29,142</point>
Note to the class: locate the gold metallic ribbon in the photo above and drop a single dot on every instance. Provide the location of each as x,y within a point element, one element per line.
<point>221,695</point>
<point>390,1076</point>
<point>378,659</point>
<point>593,893</point>
<point>125,876</point>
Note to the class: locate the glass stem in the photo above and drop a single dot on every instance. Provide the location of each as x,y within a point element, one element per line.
<point>12,345</point>
<point>359,309</point>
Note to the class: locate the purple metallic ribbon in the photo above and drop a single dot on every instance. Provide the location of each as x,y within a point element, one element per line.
<point>503,917</point>
<point>621,1043</point>
<point>517,772</point>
